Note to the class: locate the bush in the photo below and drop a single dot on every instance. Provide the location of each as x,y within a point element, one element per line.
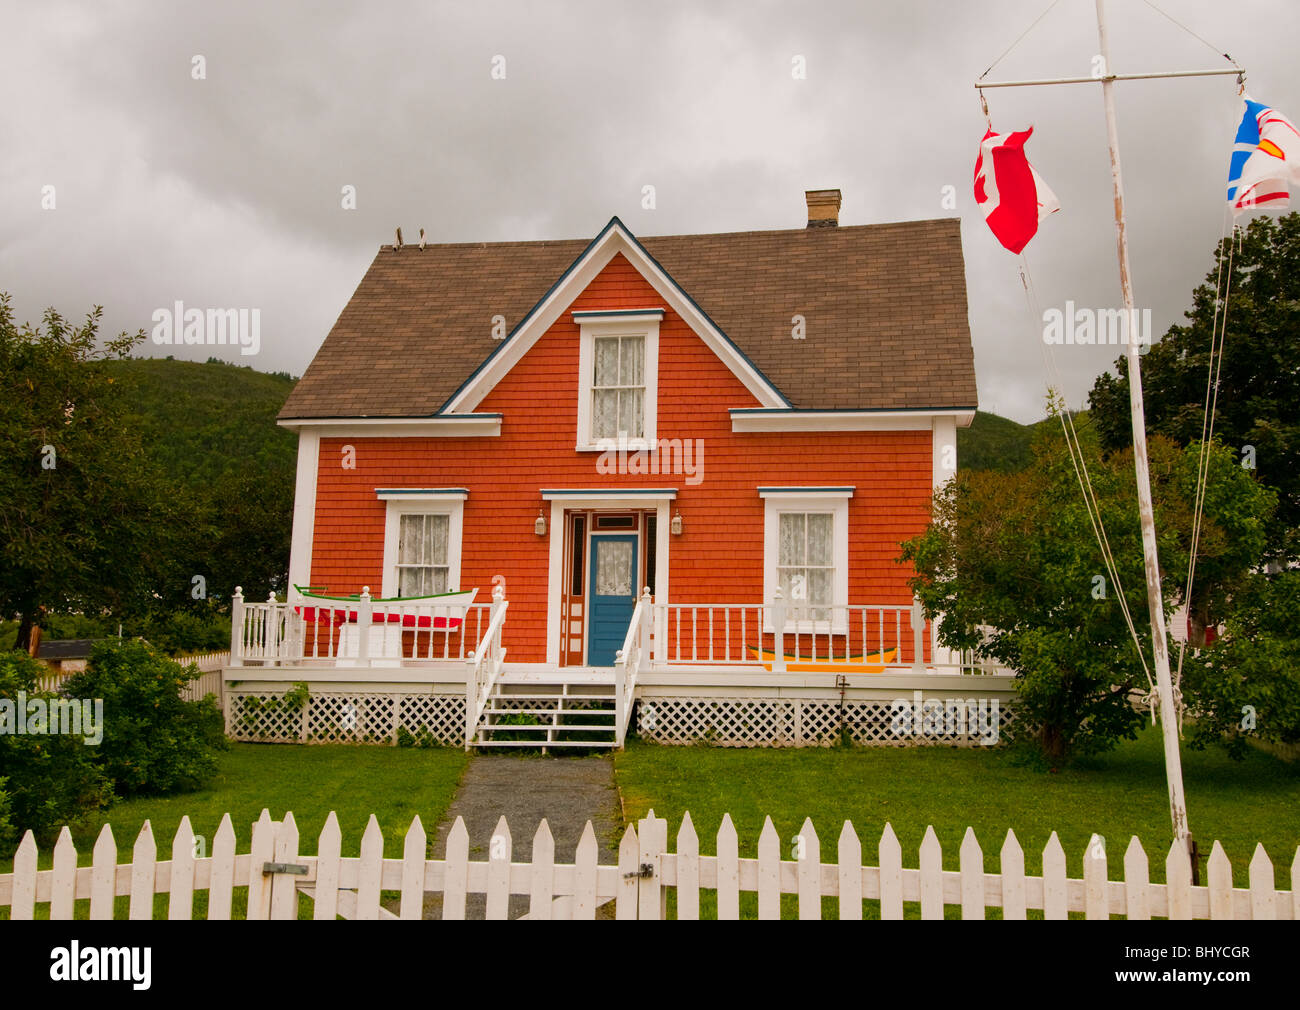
<point>155,742</point>
<point>6,826</point>
<point>48,779</point>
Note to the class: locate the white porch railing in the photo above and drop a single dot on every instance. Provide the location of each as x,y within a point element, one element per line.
<point>484,666</point>
<point>793,636</point>
<point>631,659</point>
<point>364,632</point>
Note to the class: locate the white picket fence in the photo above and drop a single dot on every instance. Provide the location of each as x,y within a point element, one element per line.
<point>276,875</point>
<point>208,682</point>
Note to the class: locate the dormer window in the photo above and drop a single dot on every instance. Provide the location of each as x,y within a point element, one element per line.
<point>618,364</point>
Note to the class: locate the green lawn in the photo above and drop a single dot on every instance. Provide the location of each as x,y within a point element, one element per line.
<point>1118,796</point>
<point>393,783</point>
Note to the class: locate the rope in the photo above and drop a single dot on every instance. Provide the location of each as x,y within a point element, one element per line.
<point>1218,338</point>
<point>1193,34</point>
<point>1085,482</point>
<point>1018,40</point>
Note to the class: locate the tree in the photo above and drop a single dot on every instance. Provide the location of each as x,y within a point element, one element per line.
<point>1257,413</point>
<point>1011,565</point>
<point>88,522</point>
<point>1247,684</point>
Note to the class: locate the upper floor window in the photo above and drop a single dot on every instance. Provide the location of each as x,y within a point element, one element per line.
<point>618,364</point>
<point>618,388</point>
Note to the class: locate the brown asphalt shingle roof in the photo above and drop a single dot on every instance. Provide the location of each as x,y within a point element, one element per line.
<point>885,307</point>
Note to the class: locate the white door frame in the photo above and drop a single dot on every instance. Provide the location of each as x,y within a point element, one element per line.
<point>660,499</point>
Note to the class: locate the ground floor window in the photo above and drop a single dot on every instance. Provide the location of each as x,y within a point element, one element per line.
<point>422,534</point>
<point>805,554</point>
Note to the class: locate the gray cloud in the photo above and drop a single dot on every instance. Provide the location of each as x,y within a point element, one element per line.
<point>226,191</point>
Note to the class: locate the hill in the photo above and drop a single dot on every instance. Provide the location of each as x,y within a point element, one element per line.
<point>998,443</point>
<point>204,422</point>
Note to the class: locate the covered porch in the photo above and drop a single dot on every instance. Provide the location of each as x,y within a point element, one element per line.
<point>680,665</point>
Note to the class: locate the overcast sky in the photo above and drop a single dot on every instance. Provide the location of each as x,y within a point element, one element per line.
<point>227,190</point>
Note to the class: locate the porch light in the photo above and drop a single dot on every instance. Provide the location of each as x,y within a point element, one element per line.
<point>676,525</point>
<point>539,524</point>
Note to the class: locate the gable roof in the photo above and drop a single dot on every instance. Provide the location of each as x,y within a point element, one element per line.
<point>885,311</point>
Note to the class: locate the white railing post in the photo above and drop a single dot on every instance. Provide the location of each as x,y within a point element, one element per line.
<point>918,636</point>
<point>365,619</point>
<point>471,696</point>
<point>647,616</point>
<point>498,601</point>
<point>778,632</point>
<point>237,627</point>
<point>620,686</point>
<point>271,642</point>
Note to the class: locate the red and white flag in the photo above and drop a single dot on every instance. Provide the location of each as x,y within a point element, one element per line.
<point>1012,195</point>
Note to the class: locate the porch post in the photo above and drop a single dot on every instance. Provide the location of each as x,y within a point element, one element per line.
<point>365,619</point>
<point>918,636</point>
<point>237,627</point>
<point>778,632</point>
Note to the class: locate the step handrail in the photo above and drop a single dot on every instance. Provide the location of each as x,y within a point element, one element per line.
<point>631,659</point>
<point>484,665</point>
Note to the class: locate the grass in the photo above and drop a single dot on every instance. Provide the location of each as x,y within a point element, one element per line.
<point>393,783</point>
<point>1117,796</point>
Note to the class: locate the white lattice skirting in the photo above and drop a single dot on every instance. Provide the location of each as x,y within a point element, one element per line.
<point>815,722</point>
<point>376,717</point>
<point>345,717</point>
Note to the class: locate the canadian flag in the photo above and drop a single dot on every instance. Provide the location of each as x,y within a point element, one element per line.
<point>1012,195</point>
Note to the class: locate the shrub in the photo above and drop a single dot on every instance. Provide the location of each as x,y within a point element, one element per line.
<point>6,826</point>
<point>48,779</point>
<point>155,742</point>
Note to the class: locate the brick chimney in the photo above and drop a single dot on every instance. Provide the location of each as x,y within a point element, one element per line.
<point>823,208</point>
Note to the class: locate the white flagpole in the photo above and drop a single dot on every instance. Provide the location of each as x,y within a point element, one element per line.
<point>1146,511</point>
<point>1155,602</point>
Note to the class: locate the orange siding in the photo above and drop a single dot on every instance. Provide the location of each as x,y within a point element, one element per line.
<point>718,558</point>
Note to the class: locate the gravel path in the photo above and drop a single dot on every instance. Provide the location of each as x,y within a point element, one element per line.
<point>568,792</point>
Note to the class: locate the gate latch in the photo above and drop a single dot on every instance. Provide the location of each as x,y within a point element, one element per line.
<point>298,869</point>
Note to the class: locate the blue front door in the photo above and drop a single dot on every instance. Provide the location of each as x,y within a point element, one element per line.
<point>612,595</point>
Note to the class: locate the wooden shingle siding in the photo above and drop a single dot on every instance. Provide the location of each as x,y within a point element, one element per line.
<point>718,557</point>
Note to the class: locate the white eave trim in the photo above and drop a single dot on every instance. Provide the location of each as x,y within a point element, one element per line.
<point>437,426</point>
<point>614,239</point>
<point>747,419</point>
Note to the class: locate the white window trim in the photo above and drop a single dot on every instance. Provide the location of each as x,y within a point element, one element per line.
<point>400,503</point>
<point>808,499</point>
<point>644,325</point>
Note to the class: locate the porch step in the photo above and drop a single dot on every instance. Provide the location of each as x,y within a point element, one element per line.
<point>556,712</point>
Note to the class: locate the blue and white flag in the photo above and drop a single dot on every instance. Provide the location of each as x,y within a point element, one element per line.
<point>1265,160</point>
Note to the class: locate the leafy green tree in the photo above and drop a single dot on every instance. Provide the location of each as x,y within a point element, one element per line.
<point>88,522</point>
<point>1012,565</point>
<point>1257,414</point>
<point>1247,684</point>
